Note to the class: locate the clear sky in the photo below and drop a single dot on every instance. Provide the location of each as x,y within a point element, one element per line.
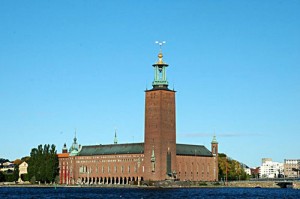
<point>84,65</point>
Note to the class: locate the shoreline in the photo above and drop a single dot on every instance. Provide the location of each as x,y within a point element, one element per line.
<point>230,185</point>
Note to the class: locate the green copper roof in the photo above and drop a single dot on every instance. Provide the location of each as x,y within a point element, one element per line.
<point>134,148</point>
<point>160,74</point>
<point>214,141</point>
<point>192,150</point>
<point>73,152</point>
<point>138,148</point>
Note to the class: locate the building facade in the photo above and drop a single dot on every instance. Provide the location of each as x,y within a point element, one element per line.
<point>22,170</point>
<point>291,168</point>
<point>255,172</point>
<point>7,167</point>
<point>270,169</point>
<point>158,158</point>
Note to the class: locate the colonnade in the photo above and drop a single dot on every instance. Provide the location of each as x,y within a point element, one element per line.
<point>108,180</point>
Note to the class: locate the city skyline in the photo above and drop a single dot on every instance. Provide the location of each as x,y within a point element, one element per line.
<point>85,65</point>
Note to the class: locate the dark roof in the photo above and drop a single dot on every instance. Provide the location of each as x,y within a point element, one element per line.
<point>134,148</point>
<point>138,148</point>
<point>164,87</point>
<point>192,150</point>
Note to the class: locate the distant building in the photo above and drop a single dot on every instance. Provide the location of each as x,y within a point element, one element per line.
<point>270,169</point>
<point>247,170</point>
<point>8,167</point>
<point>255,172</point>
<point>22,170</point>
<point>264,160</point>
<point>158,158</point>
<point>291,168</point>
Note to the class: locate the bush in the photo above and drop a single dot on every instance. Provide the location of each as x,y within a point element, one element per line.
<point>9,178</point>
<point>25,177</point>
<point>2,177</point>
<point>202,184</point>
<point>57,179</point>
<point>33,180</point>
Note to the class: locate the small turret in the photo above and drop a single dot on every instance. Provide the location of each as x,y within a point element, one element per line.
<point>160,75</point>
<point>214,140</point>
<point>214,146</point>
<point>74,149</point>
<point>65,149</point>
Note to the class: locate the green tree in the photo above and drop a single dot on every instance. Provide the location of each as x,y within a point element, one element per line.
<point>16,173</point>
<point>234,169</point>
<point>25,159</point>
<point>33,180</point>
<point>43,163</point>
<point>24,177</point>
<point>33,164</point>
<point>9,177</point>
<point>2,160</point>
<point>52,169</point>
<point>40,164</point>
<point>2,176</point>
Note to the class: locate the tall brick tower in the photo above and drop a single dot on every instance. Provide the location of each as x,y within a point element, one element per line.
<point>160,126</point>
<point>215,153</point>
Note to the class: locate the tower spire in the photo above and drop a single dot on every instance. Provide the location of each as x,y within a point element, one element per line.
<point>74,149</point>
<point>160,43</point>
<point>75,139</point>
<point>160,76</point>
<point>115,139</point>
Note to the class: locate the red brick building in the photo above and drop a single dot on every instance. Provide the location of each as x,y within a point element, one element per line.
<point>158,158</point>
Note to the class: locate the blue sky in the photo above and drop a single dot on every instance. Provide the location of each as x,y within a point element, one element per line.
<point>84,65</point>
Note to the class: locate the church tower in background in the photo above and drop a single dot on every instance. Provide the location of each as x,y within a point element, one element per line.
<point>215,153</point>
<point>160,126</point>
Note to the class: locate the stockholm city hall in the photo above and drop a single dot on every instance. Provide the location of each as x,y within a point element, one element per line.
<point>158,158</point>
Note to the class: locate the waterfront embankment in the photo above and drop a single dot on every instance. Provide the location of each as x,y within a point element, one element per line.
<point>232,184</point>
<point>262,184</point>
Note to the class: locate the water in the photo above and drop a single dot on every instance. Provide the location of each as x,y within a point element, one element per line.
<point>140,193</point>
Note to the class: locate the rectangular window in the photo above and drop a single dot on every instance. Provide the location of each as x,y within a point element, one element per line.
<point>169,163</point>
<point>81,170</point>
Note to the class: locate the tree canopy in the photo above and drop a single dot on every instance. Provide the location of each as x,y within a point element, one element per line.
<point>2,176</point>
<point>235,171</point>
<point>2,160</point>
<point>43,164</point>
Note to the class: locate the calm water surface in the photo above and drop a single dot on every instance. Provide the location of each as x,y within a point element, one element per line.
<point>14,192</point>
